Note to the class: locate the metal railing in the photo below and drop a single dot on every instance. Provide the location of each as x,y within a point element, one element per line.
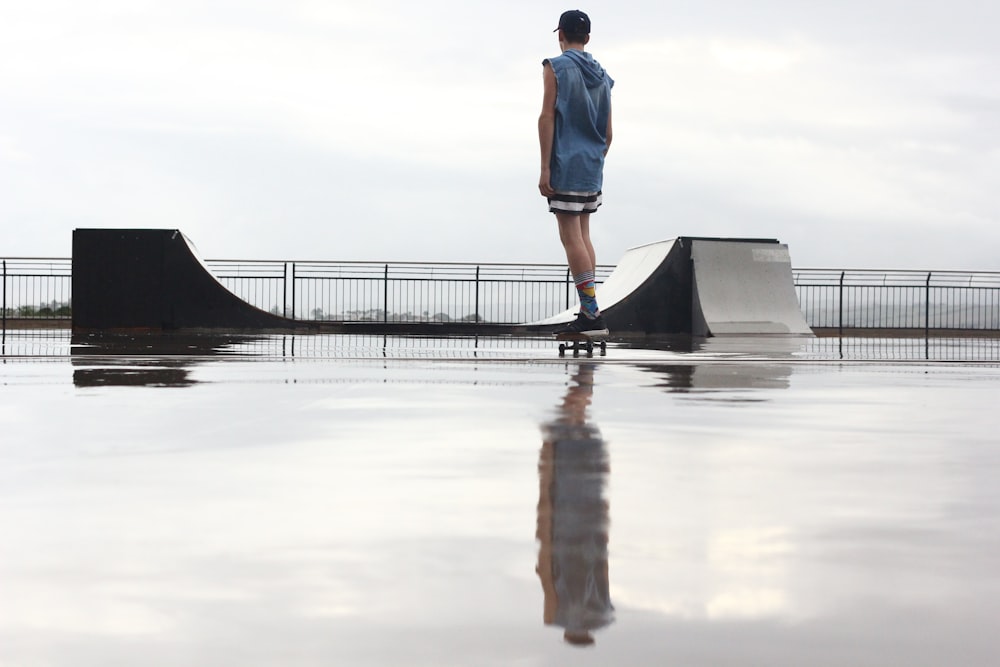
<point>402,291</point>
<point>898,299</point>
<point>37,291</point>
<point>35,288</point>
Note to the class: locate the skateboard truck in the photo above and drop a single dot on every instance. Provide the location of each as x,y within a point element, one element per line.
<point>578,343</point>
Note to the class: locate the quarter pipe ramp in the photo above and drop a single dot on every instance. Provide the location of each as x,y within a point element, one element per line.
<point>700,286</point>
<point>153,280</point>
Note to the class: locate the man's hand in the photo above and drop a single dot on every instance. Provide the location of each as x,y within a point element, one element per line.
<point>544,185</point>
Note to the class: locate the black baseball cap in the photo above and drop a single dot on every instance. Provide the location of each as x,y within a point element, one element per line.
<point>574,22</point>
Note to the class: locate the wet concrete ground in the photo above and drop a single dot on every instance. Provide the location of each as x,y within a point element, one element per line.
<point>365,501</point>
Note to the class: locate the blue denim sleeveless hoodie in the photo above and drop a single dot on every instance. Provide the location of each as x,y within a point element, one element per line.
<point>583,102</point>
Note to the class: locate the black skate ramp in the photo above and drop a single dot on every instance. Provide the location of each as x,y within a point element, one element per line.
<point>128,281</point>
<point>134,280</point>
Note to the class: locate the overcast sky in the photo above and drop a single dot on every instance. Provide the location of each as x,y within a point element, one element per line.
<point>863,133</point>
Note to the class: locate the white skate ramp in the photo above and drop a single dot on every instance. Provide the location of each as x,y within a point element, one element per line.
<point>744,288</point>
<point>699,286</point>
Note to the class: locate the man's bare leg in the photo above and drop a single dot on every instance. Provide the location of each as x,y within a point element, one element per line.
<point>574,232</point>
<point>585,234</point>
<point>579,251</point>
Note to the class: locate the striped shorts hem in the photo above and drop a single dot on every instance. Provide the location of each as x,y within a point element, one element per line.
<point>575,202</point>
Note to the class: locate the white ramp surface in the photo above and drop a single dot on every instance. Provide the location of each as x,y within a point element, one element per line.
<point>744,288</point>
<point>634,268</point>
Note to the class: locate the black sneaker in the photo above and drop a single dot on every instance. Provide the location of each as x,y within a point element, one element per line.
<point>585,326</point>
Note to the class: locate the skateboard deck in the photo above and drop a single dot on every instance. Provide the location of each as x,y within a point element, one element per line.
<point>577,342</point>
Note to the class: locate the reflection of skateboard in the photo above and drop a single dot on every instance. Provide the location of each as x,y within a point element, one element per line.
<point>577,342</point>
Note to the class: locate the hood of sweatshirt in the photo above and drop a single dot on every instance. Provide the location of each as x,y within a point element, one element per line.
<point>593,74</point>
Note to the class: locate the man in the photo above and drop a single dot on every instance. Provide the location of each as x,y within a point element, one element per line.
<point>574,133</point>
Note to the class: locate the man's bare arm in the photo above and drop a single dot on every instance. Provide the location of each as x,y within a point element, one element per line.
<point>607,143</point>
<point>547,128</point>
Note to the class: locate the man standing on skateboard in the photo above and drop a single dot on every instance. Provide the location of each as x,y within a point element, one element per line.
<point>574,133</point>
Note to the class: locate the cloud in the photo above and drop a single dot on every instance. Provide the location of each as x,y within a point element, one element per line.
<point>797,129</point>
<point>236,121</point>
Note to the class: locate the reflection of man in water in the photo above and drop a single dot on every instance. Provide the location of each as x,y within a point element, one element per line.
<point>573,517</point>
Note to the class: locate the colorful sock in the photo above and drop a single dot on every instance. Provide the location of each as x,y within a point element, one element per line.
<point>587,291</point>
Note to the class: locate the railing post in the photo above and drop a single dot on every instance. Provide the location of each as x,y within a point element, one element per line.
<point>840,298</point>
<point>385,295</point>
<point>284,290</point>
<point>4,302</point>
<point>477,295</point>
<point>927,305</point>
<point>927,317</point>
<point>293,292</point>
<point>568,291</point>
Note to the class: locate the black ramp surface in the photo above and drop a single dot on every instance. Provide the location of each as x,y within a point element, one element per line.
<point>152,280</point>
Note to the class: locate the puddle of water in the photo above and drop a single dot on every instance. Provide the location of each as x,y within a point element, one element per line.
<point>671,509</point>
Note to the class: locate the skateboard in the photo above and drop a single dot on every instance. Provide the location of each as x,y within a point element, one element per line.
<point>580,342</point>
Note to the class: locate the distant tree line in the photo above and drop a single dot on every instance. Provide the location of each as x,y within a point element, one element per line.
<point>378,315</point>
<point>50,309</point>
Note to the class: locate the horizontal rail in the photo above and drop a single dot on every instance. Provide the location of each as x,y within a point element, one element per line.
<point>873,277</point>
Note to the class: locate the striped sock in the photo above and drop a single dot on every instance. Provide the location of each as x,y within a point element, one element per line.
<point>587,291</point>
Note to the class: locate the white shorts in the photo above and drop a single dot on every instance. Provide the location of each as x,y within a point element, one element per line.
<point>575,202</point>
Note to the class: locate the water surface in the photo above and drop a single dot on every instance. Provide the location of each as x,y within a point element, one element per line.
<point>393,502</point>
